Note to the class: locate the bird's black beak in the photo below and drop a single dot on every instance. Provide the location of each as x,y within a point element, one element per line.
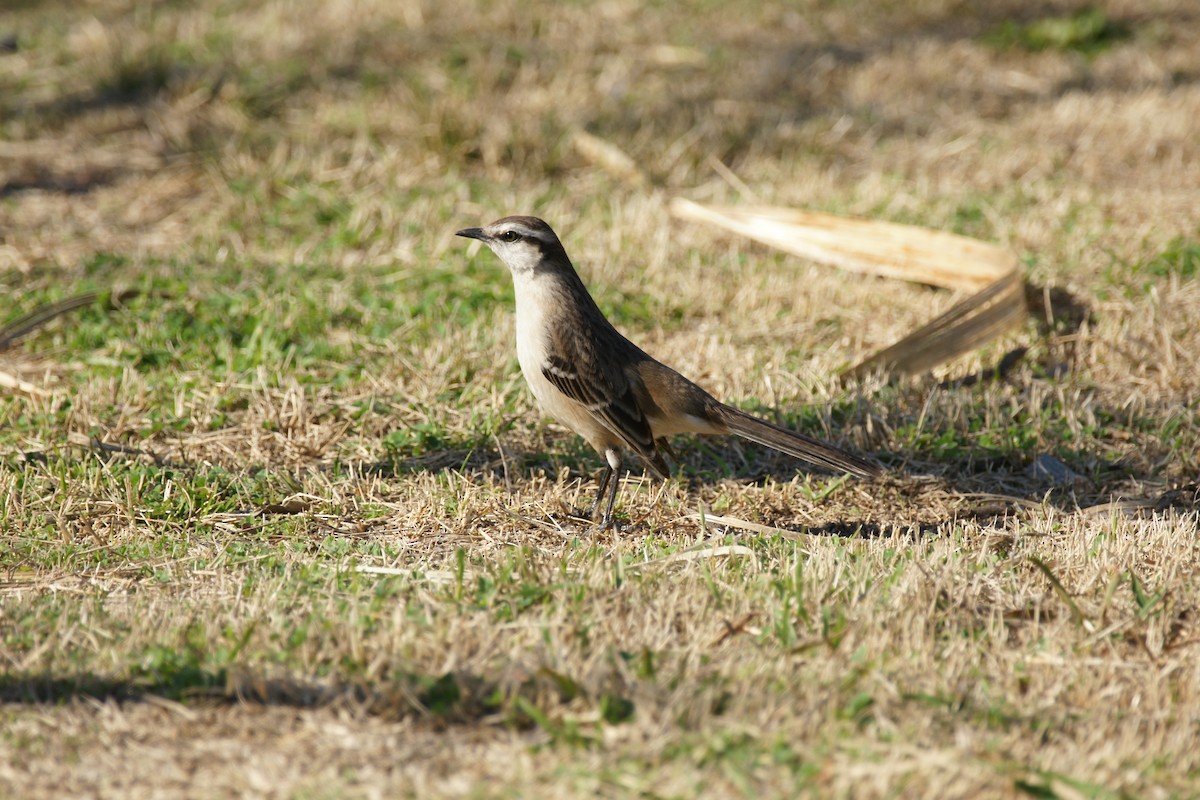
<point>473,233</point>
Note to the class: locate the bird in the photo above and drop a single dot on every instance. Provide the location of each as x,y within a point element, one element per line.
<point>584,373</point>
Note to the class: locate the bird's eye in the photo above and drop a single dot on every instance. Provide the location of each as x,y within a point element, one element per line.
<point>509,236</point>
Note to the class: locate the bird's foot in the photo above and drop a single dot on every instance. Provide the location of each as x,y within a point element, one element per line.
<point>604,526</point>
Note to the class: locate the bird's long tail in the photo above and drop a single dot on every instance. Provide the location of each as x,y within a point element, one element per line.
<point>796,444</point>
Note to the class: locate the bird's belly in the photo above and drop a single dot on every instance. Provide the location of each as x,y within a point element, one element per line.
<point>531,355</point>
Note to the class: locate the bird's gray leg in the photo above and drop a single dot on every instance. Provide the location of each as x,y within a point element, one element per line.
<point>611,481</point>
<point>605,477</point>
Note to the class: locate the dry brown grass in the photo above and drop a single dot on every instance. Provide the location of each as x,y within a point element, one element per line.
<point>187,511</point>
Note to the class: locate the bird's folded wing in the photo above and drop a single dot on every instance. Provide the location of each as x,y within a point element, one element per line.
<point>610,396</point>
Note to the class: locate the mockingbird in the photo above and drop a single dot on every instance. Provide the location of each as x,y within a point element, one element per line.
<point>604,387</point>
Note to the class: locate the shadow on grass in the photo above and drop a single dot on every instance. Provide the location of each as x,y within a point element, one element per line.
<point>869,530</point>
<point>518,699</point>
<point>43,178</point>
<point>983,488</point>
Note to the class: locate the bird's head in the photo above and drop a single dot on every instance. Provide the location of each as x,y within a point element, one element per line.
<point>524,244</point>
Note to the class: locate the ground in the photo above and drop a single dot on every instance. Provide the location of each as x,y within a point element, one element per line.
<point>278,516</point>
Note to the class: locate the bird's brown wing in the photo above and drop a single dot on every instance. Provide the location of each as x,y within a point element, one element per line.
<point>608,393</point>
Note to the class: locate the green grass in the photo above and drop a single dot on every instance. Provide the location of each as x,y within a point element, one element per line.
<point>1088,31</point>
